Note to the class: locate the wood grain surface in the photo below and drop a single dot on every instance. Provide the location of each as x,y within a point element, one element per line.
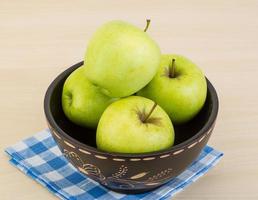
<point>39,39</point>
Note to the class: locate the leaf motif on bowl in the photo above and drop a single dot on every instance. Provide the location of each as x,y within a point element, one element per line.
<point>74,157</point>
<point>121,172</point>
<point>94,171</point>
<point>140,175</point>
<point>87,169</point>
<point>159,176</point>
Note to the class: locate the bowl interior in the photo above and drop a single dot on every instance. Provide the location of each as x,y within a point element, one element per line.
<point>87,136</point>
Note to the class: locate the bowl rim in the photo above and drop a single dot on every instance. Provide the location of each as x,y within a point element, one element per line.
<point>52,123</point>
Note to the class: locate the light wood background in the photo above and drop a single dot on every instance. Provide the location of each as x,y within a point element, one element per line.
<point>39,39</point>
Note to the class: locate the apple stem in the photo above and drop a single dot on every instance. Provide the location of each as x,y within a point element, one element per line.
<point>149,114</point>
<point>147,24</point>
<point>172,69</point>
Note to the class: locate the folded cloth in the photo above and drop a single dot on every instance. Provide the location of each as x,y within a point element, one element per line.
<point>39,158</point>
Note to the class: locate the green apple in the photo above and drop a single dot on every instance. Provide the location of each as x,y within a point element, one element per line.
<point>179,87</point>
<point>82,102</point>
<point>134,125</point>
<point>121,59</point>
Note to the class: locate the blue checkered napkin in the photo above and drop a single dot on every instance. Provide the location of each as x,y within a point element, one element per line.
<point>40,158</point>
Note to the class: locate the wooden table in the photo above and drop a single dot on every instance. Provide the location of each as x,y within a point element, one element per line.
<point>39,39</point>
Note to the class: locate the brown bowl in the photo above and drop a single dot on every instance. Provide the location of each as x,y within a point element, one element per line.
<point>127,173</point>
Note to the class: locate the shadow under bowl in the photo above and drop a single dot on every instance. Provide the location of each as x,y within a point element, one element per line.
<point>127,173</point>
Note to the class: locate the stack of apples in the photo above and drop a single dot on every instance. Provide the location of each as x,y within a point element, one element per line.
<point>131,93</point>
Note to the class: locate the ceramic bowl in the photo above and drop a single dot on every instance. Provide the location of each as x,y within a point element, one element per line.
<point>127,173</point>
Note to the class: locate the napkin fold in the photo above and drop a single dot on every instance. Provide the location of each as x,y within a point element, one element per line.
<point>40,158</point>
